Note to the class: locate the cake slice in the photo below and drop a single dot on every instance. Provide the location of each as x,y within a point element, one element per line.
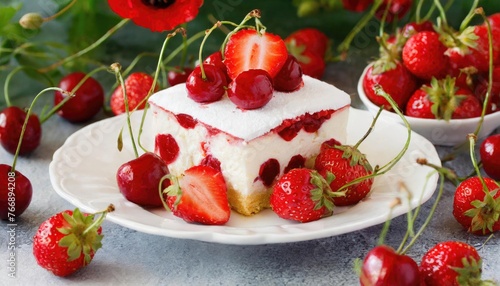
<point>252,148</point>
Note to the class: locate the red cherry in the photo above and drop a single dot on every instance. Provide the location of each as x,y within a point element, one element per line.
<point>216,60</point>
<point>490,156</point>
<point>178,75</point>
<point>11,122</point>
<point>208,89</point>
<point>289,78</point>
<point>166,147</point>
<point>15,194</point>
<point>268,172</point>
<point>383,266</point>
<point>251,89</point>
<point>138,179</point>
<point>88,99</point>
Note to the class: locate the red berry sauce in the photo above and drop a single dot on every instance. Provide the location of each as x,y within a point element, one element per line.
<point>166,147</point>
<point>309,122</point>
<point>268,172</point>
<point>186,120</point>
<point>297,161</point>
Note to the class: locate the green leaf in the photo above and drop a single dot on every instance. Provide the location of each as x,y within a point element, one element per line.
<point>7,13</point>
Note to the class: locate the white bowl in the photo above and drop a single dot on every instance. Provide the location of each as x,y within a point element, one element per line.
<point>439,132</point>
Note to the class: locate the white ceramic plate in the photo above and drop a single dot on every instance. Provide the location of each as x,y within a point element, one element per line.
<point>439,132</point>
<point>83,172</point>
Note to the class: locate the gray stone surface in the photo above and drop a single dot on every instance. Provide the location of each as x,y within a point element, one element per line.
<point>133,258</point>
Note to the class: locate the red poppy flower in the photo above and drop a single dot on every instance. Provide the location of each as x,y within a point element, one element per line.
<point>157,15</point>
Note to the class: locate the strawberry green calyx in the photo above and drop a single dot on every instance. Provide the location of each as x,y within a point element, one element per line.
<point>82,234</point>
<point>322,194</point>
<point>470,273</point>
<point>355,156</point>
<point>442,94</point>
<point>174,190</point>
<point>485,213</point>
<point>389,53</point>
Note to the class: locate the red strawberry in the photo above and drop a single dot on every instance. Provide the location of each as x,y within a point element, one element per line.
<point>385,267</point>
<point>482,88</point>
<point>472,49</point>
<point>451,263</point>
<point>423,55</point>
<point>302,195</point>
<point>249,49</point>
<point>412,28</point>
<point>311,39</point>
<point>137,86</point>
<point>443,100</point>
<point>494,20</point>
<point>477,209</point>
<point>199,195</point>
<point>398,82</point>
<point>311,64</point>
<point>347,164</point>
<point>68,241</point>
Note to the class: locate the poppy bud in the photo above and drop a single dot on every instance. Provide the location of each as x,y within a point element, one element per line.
<point>31,21</point>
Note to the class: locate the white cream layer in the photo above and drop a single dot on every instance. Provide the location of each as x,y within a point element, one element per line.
<point>314,96</point>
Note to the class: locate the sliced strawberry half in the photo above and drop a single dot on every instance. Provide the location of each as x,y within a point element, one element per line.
<point>199,195</point>
<point>249,49</point>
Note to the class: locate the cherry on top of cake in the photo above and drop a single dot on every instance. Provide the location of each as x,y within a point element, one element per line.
<point>314,96</point>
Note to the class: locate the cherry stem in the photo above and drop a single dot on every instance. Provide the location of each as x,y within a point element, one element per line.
<point>160,189</point>
<point>370,129</point>
<point>98,221</point>
<point>87,49</point>
<point>387,167</point>
<point>12,73</point>
<point>116,68</point>
<point>184,47</point>
<point>28,113</point>
<point>155,79</point>
<point>346,43</point>
<point>73,92</point>
<point>480,11</point>
<point>448,173</point>
<point>428,219</point>
<point>62,11</point>
<point>387,223</point>
<point>472,141</point>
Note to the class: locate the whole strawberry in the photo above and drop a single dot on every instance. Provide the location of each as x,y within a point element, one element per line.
<point>442,99</point>
<point>137,86</point>
<point>302,195</point>
<point>346,164</point>
<point>424,55</point>
<point>477,209</point>
<point>451,263</point>
<point>311,39</point>
<point>67,241</point>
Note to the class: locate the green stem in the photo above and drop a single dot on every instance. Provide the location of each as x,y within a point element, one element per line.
<point>12,73</point>
<point>252,14</point>
<point>472,141</point>
<point>62,11</point>
<point>155,79</point>
<point>370,129</point>
<point>384,17</point>
<point>346,43</point>
<point>99,220</point>
<point>490,71</point>
<point>429,217</point>
<point>87,49</point>
<point>184,50</point>
<point>23,129</point>
<point>472,12</point>
<point>387,224</point>
<point>116,69</point>
<point>442,12</point>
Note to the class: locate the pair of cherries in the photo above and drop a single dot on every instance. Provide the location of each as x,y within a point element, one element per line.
<point>251,89</point>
